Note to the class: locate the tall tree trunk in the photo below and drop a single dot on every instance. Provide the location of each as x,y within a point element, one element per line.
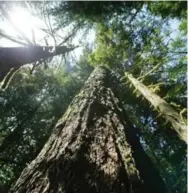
<point>171,116</point>
<point>93,149</point>
<point>18,56</point>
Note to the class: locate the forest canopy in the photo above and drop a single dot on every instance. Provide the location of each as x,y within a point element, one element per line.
<point>135,56</point>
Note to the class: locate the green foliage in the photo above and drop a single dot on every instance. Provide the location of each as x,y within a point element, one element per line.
<point>109,42</point>
<point>183,26</point>
<point>92,11</point>
<point>168,8</point>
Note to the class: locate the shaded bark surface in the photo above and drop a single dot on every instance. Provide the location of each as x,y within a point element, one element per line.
<point>89,150</point>
<point>18,56</point>
<point>171,116</point>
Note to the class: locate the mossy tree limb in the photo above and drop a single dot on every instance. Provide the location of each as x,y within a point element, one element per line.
<point>166,110</point>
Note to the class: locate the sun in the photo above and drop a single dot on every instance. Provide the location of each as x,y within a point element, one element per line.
<point>26,23</point>
<point>22,19</point>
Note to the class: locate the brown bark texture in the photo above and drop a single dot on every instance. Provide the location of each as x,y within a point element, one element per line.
<point>93,149</point>
<point>178,123</point>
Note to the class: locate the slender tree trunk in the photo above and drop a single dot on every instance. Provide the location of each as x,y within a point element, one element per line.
<point>7,79</point>
<point>93,149</point>
<point>18,56</point>
<point>171,116</point>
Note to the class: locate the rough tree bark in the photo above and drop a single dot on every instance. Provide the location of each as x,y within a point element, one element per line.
<point>171,116</point>
<point>93,149</point>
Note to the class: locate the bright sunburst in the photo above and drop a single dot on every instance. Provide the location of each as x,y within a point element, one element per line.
<point>22,21</point>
